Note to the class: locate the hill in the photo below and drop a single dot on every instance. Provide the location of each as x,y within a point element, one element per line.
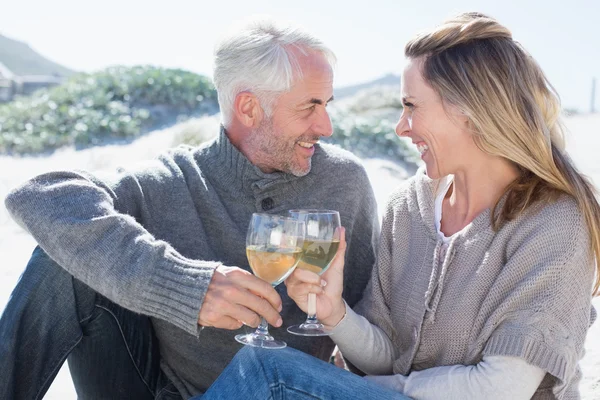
<point>23,60</point>
<point>347,91</point>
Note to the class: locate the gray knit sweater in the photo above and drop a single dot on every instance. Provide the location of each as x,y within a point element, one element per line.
<point>149,238</point>
<point>524,291</point>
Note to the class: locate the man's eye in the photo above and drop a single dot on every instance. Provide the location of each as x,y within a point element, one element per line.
<point>408,105</point>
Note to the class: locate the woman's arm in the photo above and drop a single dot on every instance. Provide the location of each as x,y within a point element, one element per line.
<point>495,377</point>
<point>365,345</point>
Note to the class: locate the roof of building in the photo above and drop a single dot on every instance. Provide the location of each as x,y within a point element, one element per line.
<point>6,73</point>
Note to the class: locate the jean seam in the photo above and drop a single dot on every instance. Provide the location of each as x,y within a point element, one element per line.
<point>81,321</point>
<point>90,315</point>
<point>43,387</point>
<point>291,388</point>
<point>165,390</point>
<point>128,349</point>
<point>279,381</point>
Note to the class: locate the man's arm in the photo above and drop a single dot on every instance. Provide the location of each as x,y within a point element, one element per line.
<point>92,229</point>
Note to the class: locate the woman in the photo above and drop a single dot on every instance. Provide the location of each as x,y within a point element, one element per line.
<point>486,265</point>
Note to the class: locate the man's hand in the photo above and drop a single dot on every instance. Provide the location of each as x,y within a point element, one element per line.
<point>236,297</point>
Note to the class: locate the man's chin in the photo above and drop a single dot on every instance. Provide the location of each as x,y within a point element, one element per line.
<point>300,171</point>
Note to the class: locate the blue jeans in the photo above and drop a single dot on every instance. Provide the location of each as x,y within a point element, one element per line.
<point>112,352</point>
<point>293,375</point>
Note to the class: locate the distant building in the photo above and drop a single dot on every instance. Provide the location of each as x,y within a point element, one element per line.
<point>9,84</point>
<point>31,83</point>
<point>12,85</point>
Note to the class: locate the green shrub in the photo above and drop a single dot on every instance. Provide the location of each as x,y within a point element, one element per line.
<point>370,137</point>
<point>119,102</point>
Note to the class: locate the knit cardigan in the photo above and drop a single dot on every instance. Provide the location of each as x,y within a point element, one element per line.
<point>523,291</point>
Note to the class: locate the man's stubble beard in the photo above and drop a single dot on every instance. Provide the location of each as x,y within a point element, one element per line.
<point>277,153</point>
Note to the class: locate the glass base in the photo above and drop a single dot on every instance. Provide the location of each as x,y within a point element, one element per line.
<point>308,329</point>
<point>262,341</point>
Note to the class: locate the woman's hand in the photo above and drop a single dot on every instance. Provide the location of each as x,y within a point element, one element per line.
<point>328,287</point>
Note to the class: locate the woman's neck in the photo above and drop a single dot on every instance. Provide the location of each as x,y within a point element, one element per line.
<point>474,190</point>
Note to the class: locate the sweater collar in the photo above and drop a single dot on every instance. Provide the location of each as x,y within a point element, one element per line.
<point>426,188</point>
<point>234,170</point>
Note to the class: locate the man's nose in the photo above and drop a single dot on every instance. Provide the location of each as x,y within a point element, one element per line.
<point>323,124</point>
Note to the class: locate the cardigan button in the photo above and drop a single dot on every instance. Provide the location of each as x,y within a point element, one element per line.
<point>267,204</point>
<point>415,333</point>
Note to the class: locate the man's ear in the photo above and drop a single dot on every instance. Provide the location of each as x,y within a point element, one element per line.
<point>247,109</point>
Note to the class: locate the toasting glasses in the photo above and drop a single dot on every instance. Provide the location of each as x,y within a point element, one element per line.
<point>321,242</point>
<point>273,247</point>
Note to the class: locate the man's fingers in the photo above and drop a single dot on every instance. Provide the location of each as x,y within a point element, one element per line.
<point>245,315</point>
<point>237,305</point>
<point>256,305</point>
<point>236,295</point>
<point>223,322</point>
<point>260,288</point>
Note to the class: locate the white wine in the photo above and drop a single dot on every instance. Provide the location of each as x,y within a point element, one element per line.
<point>272,264</point>
<point>318,254</point>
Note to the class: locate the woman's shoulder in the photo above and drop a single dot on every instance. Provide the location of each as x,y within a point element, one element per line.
<point>557,215</point>
<point>554,228</point>
<point>417,191</point>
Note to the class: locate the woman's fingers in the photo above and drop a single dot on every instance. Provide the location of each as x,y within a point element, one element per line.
<point>304,276</point>
<point>337,265</point>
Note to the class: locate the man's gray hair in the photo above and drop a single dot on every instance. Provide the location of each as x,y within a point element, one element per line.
<point>260,58</point>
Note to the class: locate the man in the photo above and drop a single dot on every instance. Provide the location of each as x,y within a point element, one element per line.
<point>143,274</point>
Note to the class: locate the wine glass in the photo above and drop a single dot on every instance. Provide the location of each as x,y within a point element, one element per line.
<point>321,242</point>
<point>273,247</point>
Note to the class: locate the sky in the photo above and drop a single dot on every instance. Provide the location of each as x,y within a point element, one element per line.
<point>368,37</point>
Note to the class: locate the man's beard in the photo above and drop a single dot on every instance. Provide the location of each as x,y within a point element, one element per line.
<point>277,152</point>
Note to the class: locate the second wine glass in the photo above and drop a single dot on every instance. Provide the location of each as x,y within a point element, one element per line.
<point>273,248</point>
<point>321,242</point>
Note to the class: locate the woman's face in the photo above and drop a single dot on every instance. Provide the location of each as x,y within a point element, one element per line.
<point>440,131</point>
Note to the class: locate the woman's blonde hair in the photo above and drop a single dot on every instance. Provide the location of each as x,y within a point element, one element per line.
<point>473,63</point>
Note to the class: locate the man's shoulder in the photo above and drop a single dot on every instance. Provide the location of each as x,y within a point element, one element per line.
<point>341,165</point>
<point>332,156</point>
<point>184,155</point>
<point>170,163</point>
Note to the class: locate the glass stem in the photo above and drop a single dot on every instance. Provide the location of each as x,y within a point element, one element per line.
<point>263,328</point>
<point>312,308</point>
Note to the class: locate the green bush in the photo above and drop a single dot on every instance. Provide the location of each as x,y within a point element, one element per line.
<point>370,137</point>
<point>119,102</point>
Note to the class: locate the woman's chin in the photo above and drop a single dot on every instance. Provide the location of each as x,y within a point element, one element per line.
<point>432,172</point>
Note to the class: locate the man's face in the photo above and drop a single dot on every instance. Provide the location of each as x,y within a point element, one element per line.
<point>286,140</point>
